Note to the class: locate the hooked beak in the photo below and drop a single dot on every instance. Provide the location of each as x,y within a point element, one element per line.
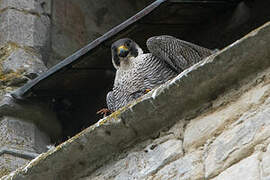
<point>122,51</point>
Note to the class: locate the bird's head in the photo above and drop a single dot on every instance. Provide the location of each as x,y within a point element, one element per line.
<point>123,51</point>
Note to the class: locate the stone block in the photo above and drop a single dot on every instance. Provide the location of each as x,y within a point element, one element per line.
<point>248,169</point>
<point>265,163</point>
<point>24,29</point>
<point>20,142</point>
<point>21,61</point>
<point>30,6</point>
<point>266,166</point>
<point>139,165</point>
<point>238,142</point>
<point>188,167</point>
<point>9,163</point>
<point>177,130</point>
<point>21,135</point>
<point>202,128</point>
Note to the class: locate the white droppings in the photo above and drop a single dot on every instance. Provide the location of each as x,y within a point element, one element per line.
<point>29,165</point>
<point>233,44</point>
<point>182,74</point>
<point>154,95</point>
<point>50,146</point>
<point>253,33</point>
<point>8,95</point>
<point>173,81</point>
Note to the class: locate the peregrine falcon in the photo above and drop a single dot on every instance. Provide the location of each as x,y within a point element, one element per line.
<point>138,72</point>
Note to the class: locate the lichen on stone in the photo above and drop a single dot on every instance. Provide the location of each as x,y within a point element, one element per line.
<point>4,171</point>
<point>11,79</point>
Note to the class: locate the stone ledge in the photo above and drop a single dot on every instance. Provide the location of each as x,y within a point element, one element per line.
<point>158,109</point>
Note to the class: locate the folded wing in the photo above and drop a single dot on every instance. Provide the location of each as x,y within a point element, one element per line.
<point>178,54</point>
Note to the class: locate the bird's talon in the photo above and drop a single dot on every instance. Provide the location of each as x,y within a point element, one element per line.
<point>104,111</point>
<point>147,91</point>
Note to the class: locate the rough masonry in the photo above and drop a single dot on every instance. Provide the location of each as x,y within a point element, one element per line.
<point>24,45</point>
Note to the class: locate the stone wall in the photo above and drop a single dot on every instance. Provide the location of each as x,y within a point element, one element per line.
<point>24,47</point>
<point>24,41</point>
<point>230,141</point>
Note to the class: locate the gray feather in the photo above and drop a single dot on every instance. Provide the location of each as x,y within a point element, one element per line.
<point>177,53</point>
<point>110,100</point>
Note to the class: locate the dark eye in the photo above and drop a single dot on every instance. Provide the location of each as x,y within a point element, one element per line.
<point>128,43</point>
<point>114,48</point>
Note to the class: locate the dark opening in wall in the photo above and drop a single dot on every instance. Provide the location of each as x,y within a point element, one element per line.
<point>76,88</point>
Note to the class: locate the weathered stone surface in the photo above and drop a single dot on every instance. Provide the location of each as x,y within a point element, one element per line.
<point>9,163</point>
<point>188,167</point>
<point>18,65</point>
<point>20,135</point>
<point>139,165</point>
<point>248,169</point>
<point>265,163</point>
<point>19,143</point>
<point>202,128</point>
<point>236,143</point>
<point>24,29</point>
<point>22,60</point>
<point>177,130</point>
<point>28,6</point>
<point>24,41</point>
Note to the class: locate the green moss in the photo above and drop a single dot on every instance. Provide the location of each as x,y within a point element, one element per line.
<point>4,171</point>
<point>30,50</point>
<point>115,115</point>
<point>11,75</point>
<point>7,160</point>
<point>6,77</point>
<point>5,51</point>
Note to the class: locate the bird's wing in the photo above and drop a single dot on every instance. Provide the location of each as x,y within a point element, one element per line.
<point>178,54</point>
<point>110,101</point>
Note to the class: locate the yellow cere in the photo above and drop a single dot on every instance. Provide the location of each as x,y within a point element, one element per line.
<point>122,47</point>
